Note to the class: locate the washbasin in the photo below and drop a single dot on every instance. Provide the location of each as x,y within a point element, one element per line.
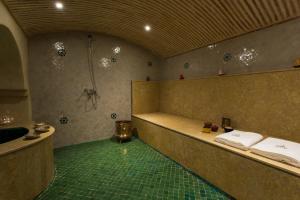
<point>9,134</point>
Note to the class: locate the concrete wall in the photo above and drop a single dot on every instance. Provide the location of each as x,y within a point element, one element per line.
<point>57,84</point>
<point>16,78</point>
<point>277,48</point>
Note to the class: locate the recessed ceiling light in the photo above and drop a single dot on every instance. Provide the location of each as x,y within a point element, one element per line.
<point>147,28</point>
<point>59,5</point>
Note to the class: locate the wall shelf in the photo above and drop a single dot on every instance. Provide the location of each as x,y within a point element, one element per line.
<point>13,93</point>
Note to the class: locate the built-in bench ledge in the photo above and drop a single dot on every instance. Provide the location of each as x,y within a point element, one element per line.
<point>193,128</point>
<point>13,93</point>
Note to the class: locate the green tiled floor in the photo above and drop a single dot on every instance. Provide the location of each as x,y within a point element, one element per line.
<point>133,170</point>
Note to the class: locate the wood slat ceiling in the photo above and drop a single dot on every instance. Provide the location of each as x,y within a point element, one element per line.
<point>177,25</point>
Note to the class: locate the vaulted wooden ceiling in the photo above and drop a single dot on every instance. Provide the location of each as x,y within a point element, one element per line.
<point>178,26</point>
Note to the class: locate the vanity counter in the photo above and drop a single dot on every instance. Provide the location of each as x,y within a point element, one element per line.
<point>21,142</point>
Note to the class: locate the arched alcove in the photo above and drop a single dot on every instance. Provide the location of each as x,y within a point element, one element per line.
<point>11,73</point>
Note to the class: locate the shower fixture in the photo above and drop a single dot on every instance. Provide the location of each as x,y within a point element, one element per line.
<point>91,93</point>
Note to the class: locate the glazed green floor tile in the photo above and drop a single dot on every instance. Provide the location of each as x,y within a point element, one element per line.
<point>132,170</point>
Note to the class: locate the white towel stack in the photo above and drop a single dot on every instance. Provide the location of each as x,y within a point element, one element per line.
<point>279,149</point>
<point>239,139</point>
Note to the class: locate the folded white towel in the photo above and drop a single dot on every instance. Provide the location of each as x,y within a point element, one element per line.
<point>279,149</point>
<point>239,139</point>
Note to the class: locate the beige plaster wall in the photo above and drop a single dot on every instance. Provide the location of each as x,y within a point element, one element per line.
<point>145,97</point>
<point>56,90</point>
<point>19,107</point>
<point>277,47</point>
<point>268,103</point>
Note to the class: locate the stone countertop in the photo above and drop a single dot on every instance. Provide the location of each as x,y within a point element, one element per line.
<point>21,142</point>
<point>193,128</point>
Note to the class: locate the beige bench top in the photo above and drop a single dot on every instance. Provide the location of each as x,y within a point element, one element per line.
<point>193,128</point>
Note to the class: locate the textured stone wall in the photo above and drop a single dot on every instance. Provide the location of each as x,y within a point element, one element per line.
<point>277,47</point>
<point>268,103</point>
<point>145,97</point>
<point>57,84</point>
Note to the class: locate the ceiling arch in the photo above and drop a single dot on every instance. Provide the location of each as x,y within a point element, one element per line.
<point>178,26</point>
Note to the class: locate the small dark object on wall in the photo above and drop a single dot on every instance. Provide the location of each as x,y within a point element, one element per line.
<point>113,59</point>
<point>148,78</point>
<point>227,57</point>
<point>113,116</point>
<point>149,63</point>
<point>221,72</point>
<point>61,52</point>
<point>181,77</point>
<point>226,122</point>
<point>228,129</point>
<point>186,65</point>
<point>214,128</point>
<point>64,120</point>
<point>297,63</point>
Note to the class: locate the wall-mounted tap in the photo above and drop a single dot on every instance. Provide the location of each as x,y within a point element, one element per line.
<point>90,93</point>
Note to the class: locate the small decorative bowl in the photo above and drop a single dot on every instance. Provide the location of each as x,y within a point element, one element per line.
<point>42,129</point>
<point>31,136</point>
<point>214,128</point>
<point>40,124</point>
<point>207,125</point>
<point>206,130</point>
<point>228,129</point>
